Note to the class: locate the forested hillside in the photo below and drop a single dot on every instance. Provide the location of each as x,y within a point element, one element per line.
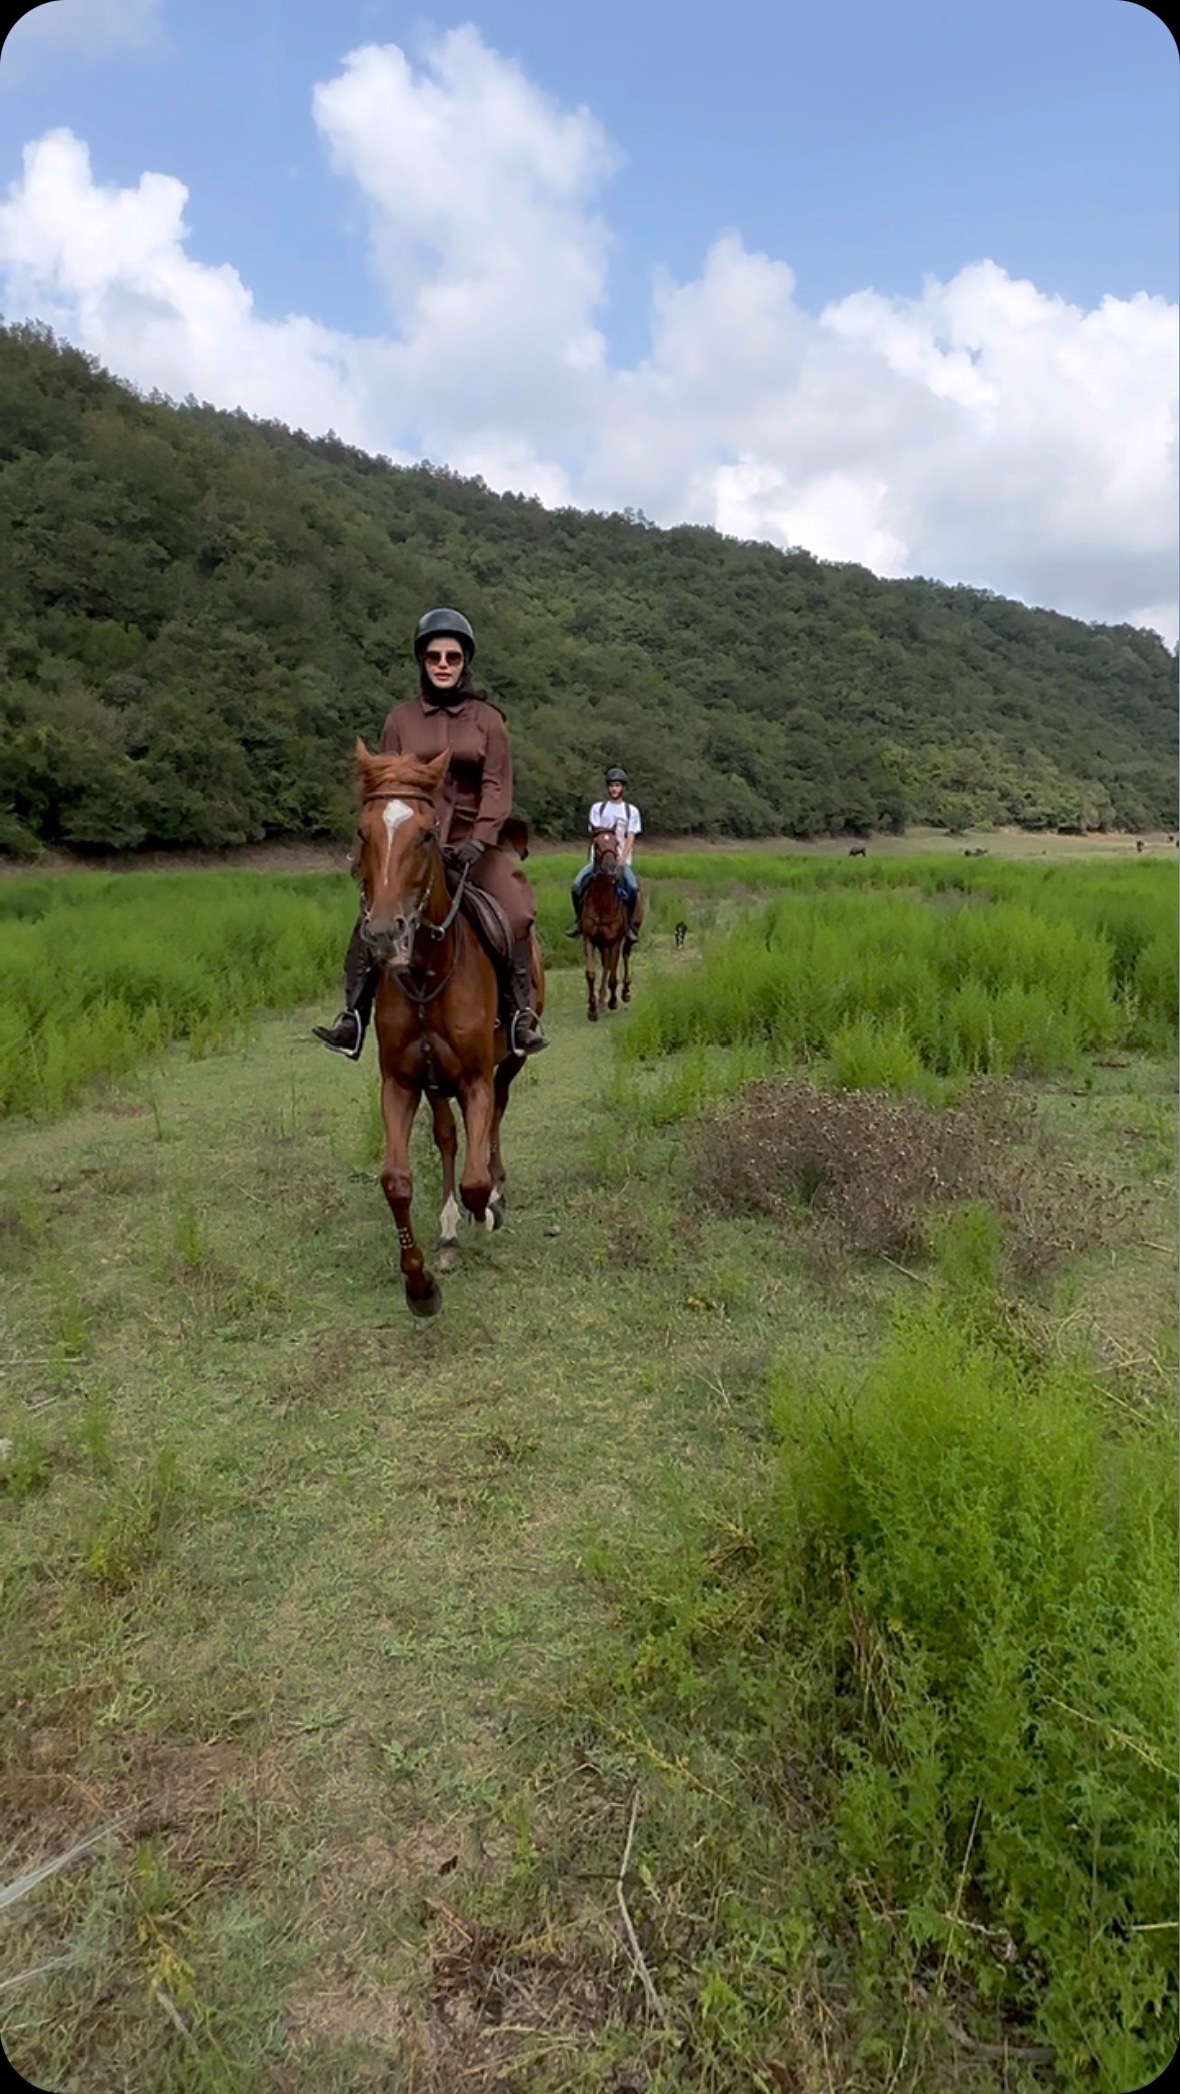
<point>198,612</point>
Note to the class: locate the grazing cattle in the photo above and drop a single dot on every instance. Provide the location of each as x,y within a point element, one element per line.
<point>858,851</point>
<point>681,934</point>
<point>980,853</point>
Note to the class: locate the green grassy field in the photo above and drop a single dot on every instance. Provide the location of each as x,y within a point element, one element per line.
<point>373,1648</point>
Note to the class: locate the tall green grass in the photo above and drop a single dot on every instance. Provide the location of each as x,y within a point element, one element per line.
<point>100,972</point>
<point>931,970</point>
<point>950,1616</point>
<point>96,975</point>
<point>890,968</point>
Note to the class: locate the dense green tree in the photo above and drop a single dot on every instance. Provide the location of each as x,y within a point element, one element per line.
<point>199,611</point>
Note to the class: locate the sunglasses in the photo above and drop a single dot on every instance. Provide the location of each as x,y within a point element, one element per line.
<point>446,660</point>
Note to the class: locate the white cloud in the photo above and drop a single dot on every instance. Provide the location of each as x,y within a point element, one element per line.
<point>480,192</point>
<point>837,516</point>
<point>91,27</point>
<point>107,269</point>
<point>983,431</point>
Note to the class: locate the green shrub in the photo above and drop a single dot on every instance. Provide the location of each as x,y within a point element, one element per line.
<point>1003,1566</point>
<point>934,978</point>
<point>98,974</point>
<point>944,1627</point>
<point>132,1526</point>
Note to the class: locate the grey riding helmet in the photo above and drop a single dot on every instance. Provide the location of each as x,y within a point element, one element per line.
<point>444,624</point>
<point>615,776</point>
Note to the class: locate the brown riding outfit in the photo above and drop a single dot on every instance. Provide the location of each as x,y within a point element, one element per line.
<point>476,796</point>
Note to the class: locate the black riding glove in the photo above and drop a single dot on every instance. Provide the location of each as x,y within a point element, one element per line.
<point>465,853</point>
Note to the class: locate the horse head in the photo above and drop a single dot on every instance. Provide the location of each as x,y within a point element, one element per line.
<point>397,860</point>
<point>605,850</point>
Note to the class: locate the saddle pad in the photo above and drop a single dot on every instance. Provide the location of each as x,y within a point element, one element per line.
<point>489,921</point>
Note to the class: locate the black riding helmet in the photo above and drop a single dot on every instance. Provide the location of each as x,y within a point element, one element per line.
<point>616,776</point>
<point>444,624</point>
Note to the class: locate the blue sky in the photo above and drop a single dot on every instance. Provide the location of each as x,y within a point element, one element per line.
<point>863,149</point>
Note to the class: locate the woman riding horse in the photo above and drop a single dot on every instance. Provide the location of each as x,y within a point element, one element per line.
<point>440,1027</point>
<point>475,802</point>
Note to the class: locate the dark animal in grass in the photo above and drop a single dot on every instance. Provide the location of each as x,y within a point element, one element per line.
<point>680,934</point>
<point>980,853</point>
<point>858,850</point>
<point>604,923</point>
<point>440,1031</point>
<point>1139,844</point>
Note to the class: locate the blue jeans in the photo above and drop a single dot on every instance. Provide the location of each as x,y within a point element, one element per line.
<point>625,881</point>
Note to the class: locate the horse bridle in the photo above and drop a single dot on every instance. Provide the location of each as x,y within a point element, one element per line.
<point>414,919</point>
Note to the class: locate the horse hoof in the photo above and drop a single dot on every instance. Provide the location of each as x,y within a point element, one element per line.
<point>627,993</point>
<point>494,1218</point>
<point>448,1256</point>
<point>593,1017</point>
<point>425,1304</point>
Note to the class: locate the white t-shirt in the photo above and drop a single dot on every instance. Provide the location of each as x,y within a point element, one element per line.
<point>618,815</point>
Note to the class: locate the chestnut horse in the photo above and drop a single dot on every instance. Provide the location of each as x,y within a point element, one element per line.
<point>602,920</point>
<point>437,1012</point>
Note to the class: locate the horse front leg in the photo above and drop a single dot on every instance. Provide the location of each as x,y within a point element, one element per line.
<point>591,966</point>
<point>611,965</point>
<point>507,1070</point>
<point>626,971</point>
<point>446,1141</point>
<point>398,1107</point>
<point>479,1106</point>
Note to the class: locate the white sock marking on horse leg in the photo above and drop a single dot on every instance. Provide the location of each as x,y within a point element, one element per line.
<point>448,1225</point>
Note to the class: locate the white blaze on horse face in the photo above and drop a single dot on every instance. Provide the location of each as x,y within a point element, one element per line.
<point>396,812</point>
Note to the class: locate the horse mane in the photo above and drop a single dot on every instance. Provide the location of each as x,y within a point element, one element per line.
<point>395,774</point>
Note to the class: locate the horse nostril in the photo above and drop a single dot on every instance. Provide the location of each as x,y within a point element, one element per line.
<point>387,939</point>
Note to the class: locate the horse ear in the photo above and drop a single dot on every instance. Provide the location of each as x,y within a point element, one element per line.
<point>438,767</point>
<point>365,760</point>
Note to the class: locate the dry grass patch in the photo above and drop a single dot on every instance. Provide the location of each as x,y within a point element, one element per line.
<point>868,1173</point>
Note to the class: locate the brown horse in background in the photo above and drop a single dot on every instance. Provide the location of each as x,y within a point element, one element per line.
<point>603,922</point>
<point>437,1012</point>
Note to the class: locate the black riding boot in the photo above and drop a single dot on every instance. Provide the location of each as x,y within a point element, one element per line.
<point>347,1036</point>
<point>525,1035</point>
<point>576,899</point>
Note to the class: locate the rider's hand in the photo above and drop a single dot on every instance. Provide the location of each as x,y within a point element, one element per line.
<point>465,853</point>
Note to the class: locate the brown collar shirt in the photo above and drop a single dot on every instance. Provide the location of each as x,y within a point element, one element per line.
<point>476,797</point>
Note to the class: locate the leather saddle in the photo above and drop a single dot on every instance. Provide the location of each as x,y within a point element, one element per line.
<point>485,916</point>
<point>489,922</point>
